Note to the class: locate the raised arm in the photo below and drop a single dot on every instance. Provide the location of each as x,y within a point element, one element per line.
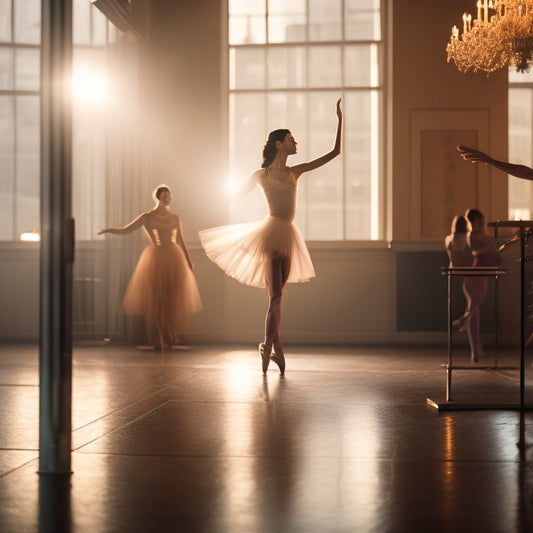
<point>315,163</point>
<point>476,156</point>
<point>128,228</point>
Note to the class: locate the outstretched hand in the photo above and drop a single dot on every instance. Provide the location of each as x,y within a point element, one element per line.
<point>472,155</point>
<point>339,110</point>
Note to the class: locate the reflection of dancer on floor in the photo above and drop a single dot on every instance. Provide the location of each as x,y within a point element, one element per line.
<point>163,287</point>
<point>484,253</point>
<point>271,252</point>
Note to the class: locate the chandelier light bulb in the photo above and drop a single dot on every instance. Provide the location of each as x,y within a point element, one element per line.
<point>501,35</point>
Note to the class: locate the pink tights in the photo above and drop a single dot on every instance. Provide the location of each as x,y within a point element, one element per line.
<point>277,273</point>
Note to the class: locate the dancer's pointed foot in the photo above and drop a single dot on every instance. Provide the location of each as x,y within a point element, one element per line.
<point>264,352</point>
<point>462,323</point>
<point>476,354</point>
<point>279,358</point>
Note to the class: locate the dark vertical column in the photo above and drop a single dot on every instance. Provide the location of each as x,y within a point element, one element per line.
<point>57,240</point>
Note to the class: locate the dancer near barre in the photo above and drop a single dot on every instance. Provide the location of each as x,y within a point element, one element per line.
<point>478,248</point>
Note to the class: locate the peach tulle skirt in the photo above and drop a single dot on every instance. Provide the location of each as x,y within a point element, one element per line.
<point>163,289</point>
<point>241,250</point>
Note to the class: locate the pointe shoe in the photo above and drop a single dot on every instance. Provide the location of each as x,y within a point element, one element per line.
<point>279,359</point>
<point>265,357</point>
<point>461,323</point>
<point>474,356</point>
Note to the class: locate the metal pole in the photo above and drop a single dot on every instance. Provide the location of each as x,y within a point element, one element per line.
<point>450,340</point>
<point>522,313</point>
<point>57,240</point>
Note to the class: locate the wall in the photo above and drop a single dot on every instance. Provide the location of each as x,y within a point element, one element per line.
<point>361,294</point>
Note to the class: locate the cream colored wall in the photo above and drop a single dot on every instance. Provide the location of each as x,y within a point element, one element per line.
<point>430,94</point>
<point>353,299</point>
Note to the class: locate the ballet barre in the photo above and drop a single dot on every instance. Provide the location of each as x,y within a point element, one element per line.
<point>524,232</point>
<point>462,272</point>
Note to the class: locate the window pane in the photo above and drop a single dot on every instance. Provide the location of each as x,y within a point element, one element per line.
<point>286,21</point>
<point>361,67</point>
<point>247,138</point>
<point>323,187</point>
<point>27,69</point>
<point>286,28</point>
<point>288,110</point>
<point>286,67</point>
<point>7,168</point>
<point>5,21</point>
<point>81,22</point>
<point>520,150</point>
<point>248,133</point>
<point>298,91</point>
<point>361,138</point>
<point>247,7</point>
<point>88,169</point>
<point>27,164</point>
<point>247,30</point>
<point>6,68</point>
<point>325,66</point>
<point>325,20</point>
<point>362,20</point>
<point>28,21</point>
<point>247,68</point>
<point>99,27</point>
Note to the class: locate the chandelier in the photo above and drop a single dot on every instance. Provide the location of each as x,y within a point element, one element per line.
<point>502,34</point>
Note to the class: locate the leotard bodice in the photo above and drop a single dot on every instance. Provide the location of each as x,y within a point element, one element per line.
<point>280,195</point>
<point>161,230</point>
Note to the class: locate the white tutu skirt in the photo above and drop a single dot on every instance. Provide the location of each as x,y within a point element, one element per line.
<point>242,250</point>
<point>163,289</point>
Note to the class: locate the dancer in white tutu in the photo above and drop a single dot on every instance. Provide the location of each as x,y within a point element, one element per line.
<point>163,287</point>
<point>271,252</point>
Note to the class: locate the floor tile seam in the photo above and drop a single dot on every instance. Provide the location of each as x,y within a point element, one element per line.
<point>304,456</point>
<point>19,449</point>
<point>19,467</point>
<point>339,403</point>
<point>120,426</point>
<point>126,407</point>
<point>29,385</point>
<point>116,412</point>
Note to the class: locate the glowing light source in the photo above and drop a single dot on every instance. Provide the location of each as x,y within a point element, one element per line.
<point>232,185</point>
<point>501,35</point>
<point>30,236</point>
<point>88,85</point>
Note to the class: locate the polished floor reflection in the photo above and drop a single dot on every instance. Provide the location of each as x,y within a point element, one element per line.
<point>198,440</point>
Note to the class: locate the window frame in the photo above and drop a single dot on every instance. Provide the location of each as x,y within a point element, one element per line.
<point>377,203</point>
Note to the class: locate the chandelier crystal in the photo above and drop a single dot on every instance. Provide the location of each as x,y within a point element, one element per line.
<point>502,34</point>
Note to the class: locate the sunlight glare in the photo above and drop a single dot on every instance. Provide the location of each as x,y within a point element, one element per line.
<point>232,185</point>
<point>30,236</point>
<point>88,85</point>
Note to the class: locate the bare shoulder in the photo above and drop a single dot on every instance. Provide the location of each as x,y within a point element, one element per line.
<point>259,174</point>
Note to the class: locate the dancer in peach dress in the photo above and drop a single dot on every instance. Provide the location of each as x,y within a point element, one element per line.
<point>163,288</point>
<point>271,252</point>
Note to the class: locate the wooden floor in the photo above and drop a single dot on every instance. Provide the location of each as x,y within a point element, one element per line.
<point>197,440</point>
